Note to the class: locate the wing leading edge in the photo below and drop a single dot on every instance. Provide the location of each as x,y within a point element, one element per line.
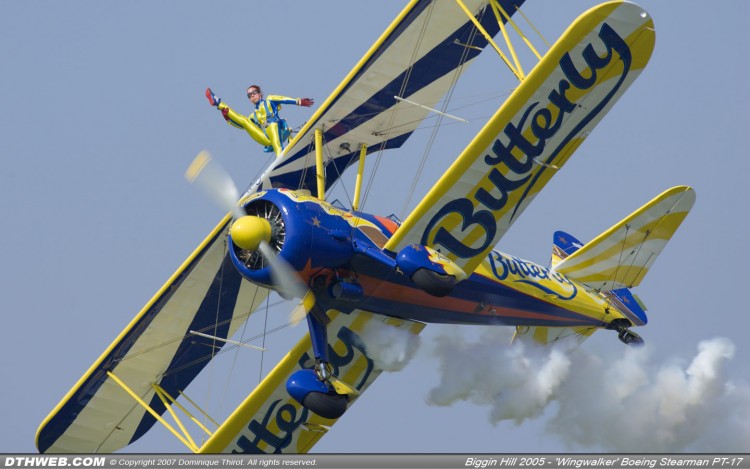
<point>532,135</point>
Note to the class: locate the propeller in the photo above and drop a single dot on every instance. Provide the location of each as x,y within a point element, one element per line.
<point>253,233</point>
<point>290,286</point>
<point>249,232</point>
<point>215,182</point>
<point>282,273</point>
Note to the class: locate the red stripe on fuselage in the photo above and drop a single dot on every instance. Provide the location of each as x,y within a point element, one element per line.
<point>405,295</point>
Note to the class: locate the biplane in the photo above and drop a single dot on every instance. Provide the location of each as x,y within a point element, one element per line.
<point>348,269</point>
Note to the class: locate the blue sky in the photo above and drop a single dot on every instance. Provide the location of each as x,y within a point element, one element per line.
<point>103,110</point>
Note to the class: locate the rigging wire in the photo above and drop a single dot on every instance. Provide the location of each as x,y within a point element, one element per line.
<point>310,155</point>
<point>620,264</point>
<point>258,175</point>
<point>237,349</point>
<point>209,382</point>
<point>635,254</point>
<point>623,247</point>
<point>205,330</point>
<point>226,349</point>
<point>581,335</point>
<point>477,100</point>
<point>470,100</point>
<point>528,21</point>
<point>440,117</point>
<point>401,93</point>
<point>263,344</point>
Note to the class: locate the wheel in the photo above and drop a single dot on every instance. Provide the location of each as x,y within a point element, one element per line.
<point>625,335</point>
<point>327,405</point>
<point>630,338</point>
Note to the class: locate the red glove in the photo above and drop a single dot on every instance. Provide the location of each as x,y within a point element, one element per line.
<point>307,102</point>
<point>225,113</point>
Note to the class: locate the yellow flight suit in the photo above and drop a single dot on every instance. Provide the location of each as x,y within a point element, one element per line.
<point>264,125</point>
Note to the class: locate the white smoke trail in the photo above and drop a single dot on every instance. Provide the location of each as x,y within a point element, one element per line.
<point>390,348</point>
<point>616,400</point>
<point>477,372</point>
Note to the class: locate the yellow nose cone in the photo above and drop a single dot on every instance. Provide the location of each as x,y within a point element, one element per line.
<point>248,231</point>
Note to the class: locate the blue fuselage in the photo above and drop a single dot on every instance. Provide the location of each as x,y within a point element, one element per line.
<point>339,255</point>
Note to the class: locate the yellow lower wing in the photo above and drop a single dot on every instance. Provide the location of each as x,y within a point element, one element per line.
<point>271,421</point>
<point>531,136</point>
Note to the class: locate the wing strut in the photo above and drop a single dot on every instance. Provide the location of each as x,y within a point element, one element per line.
<point>191,446</point>
<point>360,173</point>
<point>498,9</point>
<point>168,402</point>
<point>321,177</point>
<point>164,395</point>
<point>500,15</point>
<point>507,38</point>
<point>182,394</point>
<point>517,72</point>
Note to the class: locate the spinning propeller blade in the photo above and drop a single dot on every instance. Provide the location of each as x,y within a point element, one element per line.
<point>298,314</point>
<point>215,182</point>
<point>290,284</point>
<point>282,273</point>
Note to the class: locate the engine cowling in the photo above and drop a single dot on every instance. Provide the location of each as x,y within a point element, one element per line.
<point>296,227</point>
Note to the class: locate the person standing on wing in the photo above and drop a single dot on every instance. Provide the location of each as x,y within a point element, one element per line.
<point>264,125</point>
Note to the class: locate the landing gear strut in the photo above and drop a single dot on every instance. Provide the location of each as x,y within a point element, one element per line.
<point>312,387</point>
<point>625,335</point>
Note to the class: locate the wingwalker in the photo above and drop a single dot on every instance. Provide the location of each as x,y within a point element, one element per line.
<point>353,269</point>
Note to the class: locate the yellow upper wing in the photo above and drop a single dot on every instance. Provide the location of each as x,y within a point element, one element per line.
<point>532,135</point>
<point>418,57</point>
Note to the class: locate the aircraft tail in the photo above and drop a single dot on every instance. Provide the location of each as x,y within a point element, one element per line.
<point>564,245</point>
<point>620,257</point>
<point>616,260</point>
